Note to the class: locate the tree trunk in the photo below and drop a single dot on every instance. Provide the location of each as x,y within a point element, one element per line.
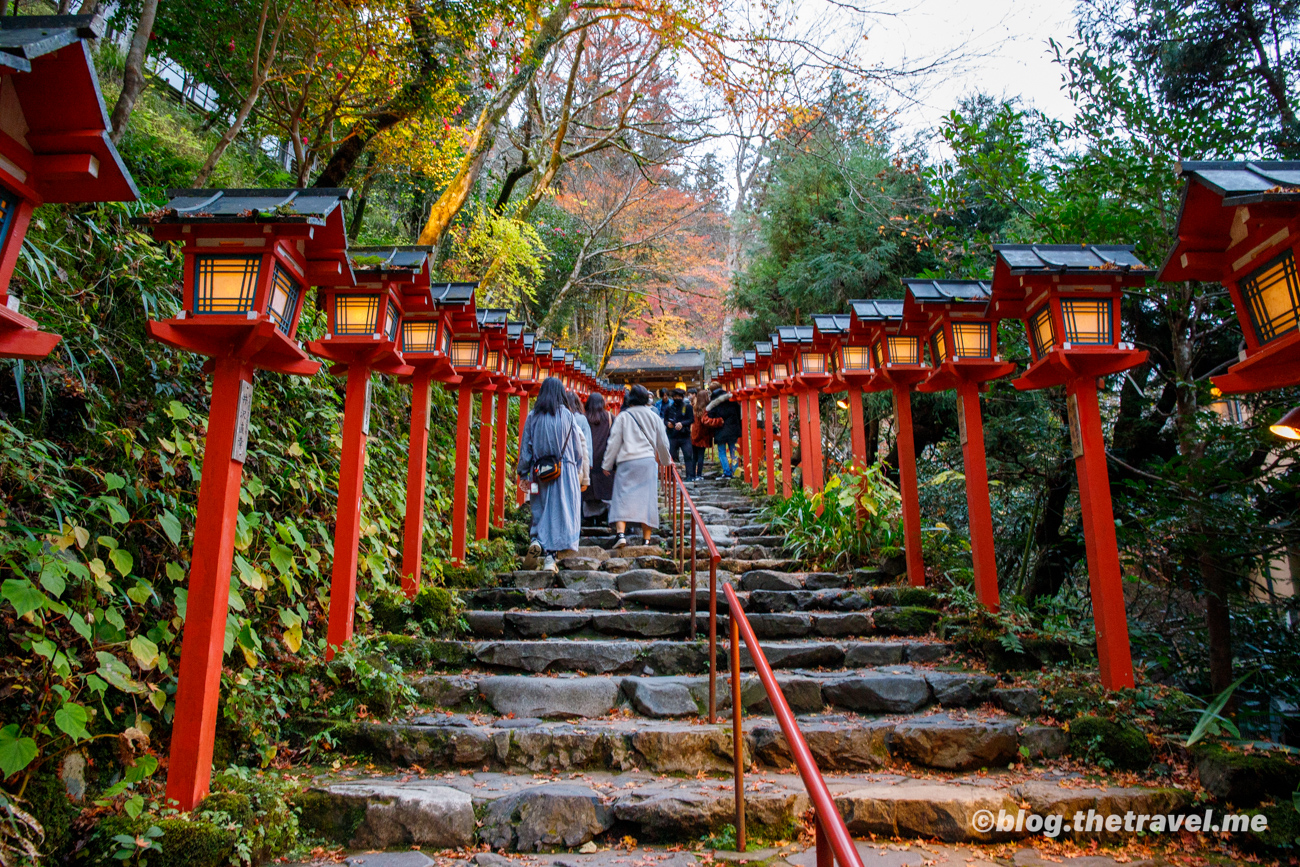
<point>1217,621</point>
<point>133,80</point>
<point>1057,554</point>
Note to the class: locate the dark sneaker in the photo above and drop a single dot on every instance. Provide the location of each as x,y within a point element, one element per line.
<point>621,541</point>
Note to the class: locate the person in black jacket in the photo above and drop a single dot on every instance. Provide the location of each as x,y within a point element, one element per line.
<point>678,417</point>
<point>722,406</point>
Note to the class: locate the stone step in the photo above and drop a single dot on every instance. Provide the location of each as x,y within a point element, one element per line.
<point>938,741</point>
<point>584,622</point>
<point>883,689</point>
<point>655,657</point>
<point>527,814</point>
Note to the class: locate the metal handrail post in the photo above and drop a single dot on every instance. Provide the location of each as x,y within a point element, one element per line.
<point>693,606</point>
<point>737,740</point>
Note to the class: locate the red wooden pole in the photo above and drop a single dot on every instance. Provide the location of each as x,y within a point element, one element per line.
<point>755,453</point>
<point>520,491</point>
<point>499,493</point>
<point>417,465</point>
<point>484,508</point>
<point>771,447</point>
<point>815,435</point>
<point>1114,659</point>
<point>787,471</point>
<point>978,510</point>
<point>204,632</point>
<point>907,486</point>
<point>744,440</point>
<point>347,522</point>
<point>460,491</point>
<point>805,464</point>
<point>857,427</point>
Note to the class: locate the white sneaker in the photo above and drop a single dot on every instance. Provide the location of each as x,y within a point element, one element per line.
<point>621,541</point>
<point>549,565</point>
<point>535,548</point>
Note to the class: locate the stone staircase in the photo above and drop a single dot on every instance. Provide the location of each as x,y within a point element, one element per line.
<point>576,708</point>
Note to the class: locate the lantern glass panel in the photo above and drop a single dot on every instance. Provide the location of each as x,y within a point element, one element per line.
<point>445,343</point>
<point>356,314</point>
<point>749,380</point>
<point>1087,321</point>
<point>938,347</point>
<point>492,360</point>
<point>527,371</point>
<point>284,299</point>
<point>812,362</point>
<point>764,376</point>
<point>419,336</point>
<point>904,350</point>
<point>1042,331</point>
<point>391,321</point>
<point>972,339</point>
<point>1272,295</point>
<point>856,358</point>
<point>464,353</point>
<point>778,371</point>
<point>875,354</point>
<point>225,284</point>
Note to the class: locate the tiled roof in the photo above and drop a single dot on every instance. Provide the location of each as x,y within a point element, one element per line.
<point>877,309</point>
<point>239,206</point>
<point>1068,258</point>
<point>1242,183</point>
<point>949,290</point>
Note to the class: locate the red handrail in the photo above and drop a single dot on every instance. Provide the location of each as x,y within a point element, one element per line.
<point>678,498</point>
<point>832,836</point>
<point>830,825</point>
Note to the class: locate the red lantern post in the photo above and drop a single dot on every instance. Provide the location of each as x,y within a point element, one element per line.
<point>766,391</point>
<point>492,325</point>
<point>426,347</point>
<point>962,338</point>
<point>54,146</point>
<point>1069,297</point>
<point>782,386</point>
<point>364,338</point>
<point>249,256</point>
<point>811,373</point>
<point>467,357</point>
<point>899,363</point>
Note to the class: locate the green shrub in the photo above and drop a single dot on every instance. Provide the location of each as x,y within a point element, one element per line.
<point>184,842</point>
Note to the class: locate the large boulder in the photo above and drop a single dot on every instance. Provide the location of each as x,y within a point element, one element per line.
<point>869,654</point>
<point>382,815</point>
<point>660,697</point>
<point>767,579</point>
<point>956,745</point>
<point>545,817</point>
<point>879,693</point>
<point>1244,779</point>
<point>550,696</point>
<point>952,689</point>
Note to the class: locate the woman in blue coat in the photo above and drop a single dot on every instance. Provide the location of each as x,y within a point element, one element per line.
<point>551,431</point>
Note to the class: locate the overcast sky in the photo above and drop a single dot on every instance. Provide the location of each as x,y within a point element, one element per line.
<point>1007,41</point>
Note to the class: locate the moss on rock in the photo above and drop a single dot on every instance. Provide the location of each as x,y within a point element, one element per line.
<point>48,802</point>
<point>924,597</point>
<point>1121,745</point>
<point>1283,832</point>
<point>185,842</point>
<point>1243,779</point>
<point>904,620</point>
<point>328,817</point>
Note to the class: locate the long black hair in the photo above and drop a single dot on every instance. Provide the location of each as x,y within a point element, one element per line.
<point>596,414</point>
<point>638,396</point>
<point>551,397</point>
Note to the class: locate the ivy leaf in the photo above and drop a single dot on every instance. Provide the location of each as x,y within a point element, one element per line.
<point>145,652</point>
<point>293,638</point>
<point>171,526</point>
<point>15,753</point>
<point>177,411</point>
<point>158,698</point>
<point>282,558</point>
<point>71,720</point>
<point>22,595</point>
<point>52,573</point>
<point>116,511</point>
<point>122,560</point>
<point>175,572</point>
<point>116,672</point>
<point>112,481</point>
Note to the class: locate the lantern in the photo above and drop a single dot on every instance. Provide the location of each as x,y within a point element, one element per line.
<point>56,148</point>
<point>248,256</point>
<point>897,367</point>
<point>1237,227</point>
<point>962,343</point>
<point>1068,297</point>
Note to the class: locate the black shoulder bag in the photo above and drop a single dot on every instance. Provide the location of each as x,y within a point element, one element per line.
<point>547,468</point>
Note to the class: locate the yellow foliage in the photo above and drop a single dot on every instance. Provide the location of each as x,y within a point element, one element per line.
<point>504,253</point>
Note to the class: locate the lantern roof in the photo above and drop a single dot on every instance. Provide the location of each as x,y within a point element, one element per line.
<point>453,294</point>
<point>48,63</point>
<point>1018,259</point>
<point>763,348</point>
<point>390,260</point>
<point>750,356</point>
<point>1245,183</point>
<point>314,206</point>
<point>514,330</point>
<point>737,362</point>
<point>1232,212</point>
<point>931,295</point>
<point>796,333</point>
<point>831,324</point>
<point>542,347</point>
<point>877,309</point>
<point>492,317</point>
